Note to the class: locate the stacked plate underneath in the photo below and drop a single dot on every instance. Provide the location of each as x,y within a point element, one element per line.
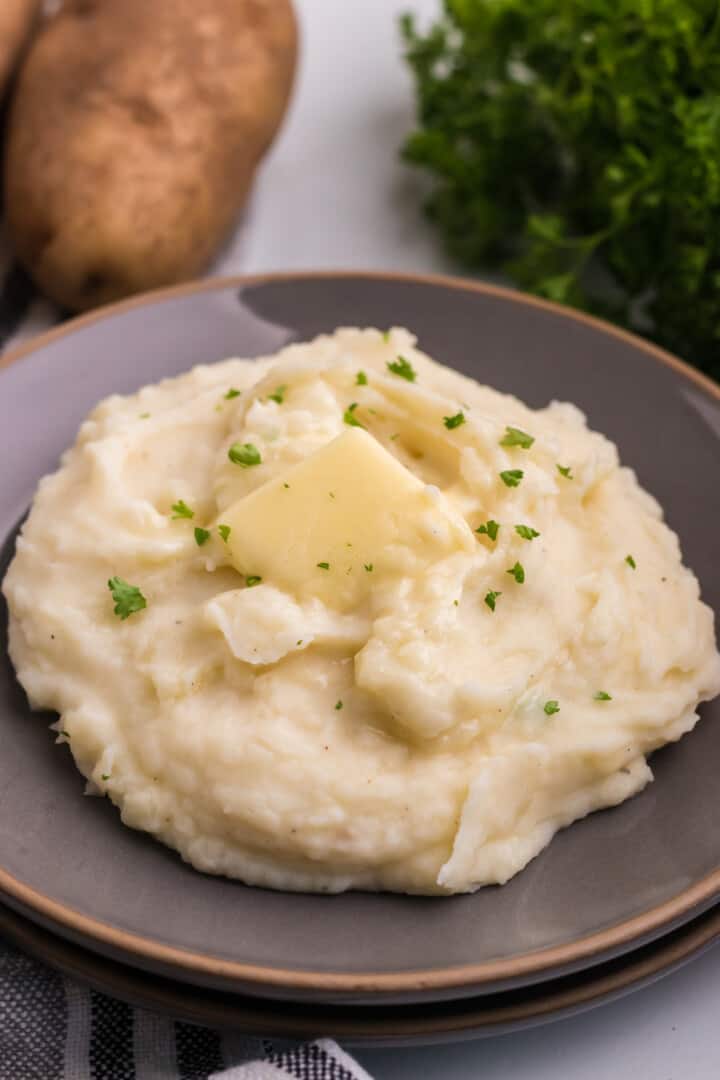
<point>615,901</point>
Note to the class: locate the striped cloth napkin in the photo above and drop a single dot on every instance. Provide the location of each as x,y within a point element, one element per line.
<point>52,1028</point>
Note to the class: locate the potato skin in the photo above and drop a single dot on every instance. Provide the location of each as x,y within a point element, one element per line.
<point>16,21</point>
<point>134,135</point>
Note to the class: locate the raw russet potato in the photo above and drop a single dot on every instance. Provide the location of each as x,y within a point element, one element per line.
<point>134,135</point>
<point>16,20</point>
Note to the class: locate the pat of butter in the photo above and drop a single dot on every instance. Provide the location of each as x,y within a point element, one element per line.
<point>345,517</point>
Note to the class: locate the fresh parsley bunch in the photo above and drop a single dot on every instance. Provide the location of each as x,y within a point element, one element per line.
<point>576,144</point>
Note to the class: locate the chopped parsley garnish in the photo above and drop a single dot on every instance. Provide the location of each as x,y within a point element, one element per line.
<point>490,599</point>
<point>298,643</point>
<point>232,392</point>
<point>144,415</point>
<point>128,598</point>
<point>386,336</point>
<point>323,565</point>
<point>349,415</point>
<point>224,531</point>
<point>631,562</point>
<point>602,695</point>
<point>403,368</point>
<point>490,529</point>
<point>338,704</point>
<point>526,532</point>
<point>369,567</point>
<point>512,477</point>
<point>451,422</point>
<point>181,510</point>
<point>566,471</point>
<point>551,707</point>
<point>515,437</point>
<point>252,579</point>
<point>286,486</point>
<point>201,536</point>
<point>65,733</point>
<point>105,776</point>
<point>518,572</point>
<point>278,395</point>
<point>244,454</point>
<point>361,379</point>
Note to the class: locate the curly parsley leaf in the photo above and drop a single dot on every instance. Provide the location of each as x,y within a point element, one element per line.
<point>518,572</point>
<point>515,437</point>
<point>349,416</point>
<point>526,531</point>
<point>244,454</point>
<point>181,510</point>
<point>490,529</point>
<point>403,368</point>
<point>551,707</point>
<point>511,477</point>
<point>128,598</point>
<point>491,598</point>
<point>451,422</point>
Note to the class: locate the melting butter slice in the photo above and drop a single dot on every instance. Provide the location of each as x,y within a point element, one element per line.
<point>346,517</point>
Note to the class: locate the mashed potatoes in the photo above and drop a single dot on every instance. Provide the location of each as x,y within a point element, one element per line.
<point>370,624</point>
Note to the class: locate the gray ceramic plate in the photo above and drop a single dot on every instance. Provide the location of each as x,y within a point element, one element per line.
<point>608,883</point>
<point>379,1025</point>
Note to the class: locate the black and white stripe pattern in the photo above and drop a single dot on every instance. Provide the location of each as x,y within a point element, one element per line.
<point>51,1028</point>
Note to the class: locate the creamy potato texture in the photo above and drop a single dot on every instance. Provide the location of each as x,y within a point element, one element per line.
<point>398,628</point>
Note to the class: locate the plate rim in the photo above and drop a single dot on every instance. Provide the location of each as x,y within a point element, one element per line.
<point>649,923</point>
<point>475,1017</point>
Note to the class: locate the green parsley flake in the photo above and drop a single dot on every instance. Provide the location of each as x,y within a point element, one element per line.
<point>551,707</point>
<point>512,477</point>
<point>386,336</point>
<point>369,567</point>
<point>490,529</point>
<point>286,486</point>
<point>403,368</point>
<point>602,695</point>
<point>232,392</point>
<point>323,565</point>
<point>224,531</point>
<point>566,471</point>
<point>105,776</point>
<point>181,510</point>
<point>201,536</point>
<point>451,422</point>
<point>518,572</point>
<point>338,704</point>
<point>361,379</point>
<point>244,454</point>
<point>144,415</point>
<point>490,599</point>
<point>349,415</point>
<point>515,437</point>
<point>526,532</point>
<point>65,733</point>
<point>128,598</point>
<point>252,579</point>
<point>631,562</point>
<point>278,395</point>
<point>299,642</point>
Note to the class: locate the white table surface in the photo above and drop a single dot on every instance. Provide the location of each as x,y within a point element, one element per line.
<point>333,193</point>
